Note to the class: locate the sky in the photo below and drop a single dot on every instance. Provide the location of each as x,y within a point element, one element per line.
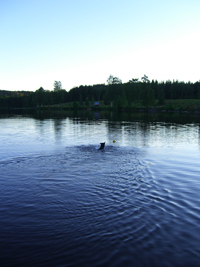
<point>82,42</point>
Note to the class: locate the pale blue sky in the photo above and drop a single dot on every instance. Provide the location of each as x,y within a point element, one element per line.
<point>82,42</point>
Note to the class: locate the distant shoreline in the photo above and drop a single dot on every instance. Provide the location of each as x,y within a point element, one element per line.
<point>98,109</point>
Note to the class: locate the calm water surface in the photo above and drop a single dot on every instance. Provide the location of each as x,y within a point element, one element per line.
<point>65,203</point>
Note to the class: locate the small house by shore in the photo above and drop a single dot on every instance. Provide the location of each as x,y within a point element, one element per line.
<point>96,104</point>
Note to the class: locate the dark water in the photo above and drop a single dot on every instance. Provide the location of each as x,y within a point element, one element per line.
<point>65,203</point>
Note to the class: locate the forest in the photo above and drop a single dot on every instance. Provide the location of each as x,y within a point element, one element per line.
<point>114,94</point>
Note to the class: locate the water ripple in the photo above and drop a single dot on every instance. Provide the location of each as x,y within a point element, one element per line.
<point>110,208</point>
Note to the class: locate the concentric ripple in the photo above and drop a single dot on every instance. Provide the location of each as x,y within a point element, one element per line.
<point>85,207</point>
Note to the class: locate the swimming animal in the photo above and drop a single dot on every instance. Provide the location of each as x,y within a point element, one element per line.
<point>102,146</point>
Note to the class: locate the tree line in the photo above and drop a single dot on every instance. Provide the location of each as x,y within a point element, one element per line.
<point>114,93</point>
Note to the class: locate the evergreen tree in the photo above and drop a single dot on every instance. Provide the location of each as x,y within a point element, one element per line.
<point>161,97</point>
<point>87,102</point>
<point>147,92</point>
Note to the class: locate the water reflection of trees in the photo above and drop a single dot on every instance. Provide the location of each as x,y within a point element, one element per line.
<point>58,127</point>
<point>126,127</point>
<point>153,128</point>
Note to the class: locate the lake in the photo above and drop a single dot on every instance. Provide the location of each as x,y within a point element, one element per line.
<point>66,203</point>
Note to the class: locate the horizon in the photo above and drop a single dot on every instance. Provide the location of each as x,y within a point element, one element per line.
<point>103,84</point>
<point>82,43</point>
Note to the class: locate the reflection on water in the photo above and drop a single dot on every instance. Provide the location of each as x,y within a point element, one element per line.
<point>65,203</point>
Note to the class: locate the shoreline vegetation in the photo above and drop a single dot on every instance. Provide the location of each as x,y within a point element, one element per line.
<point>134,96</point>
<point>177,106</point>
<point>171,106</point>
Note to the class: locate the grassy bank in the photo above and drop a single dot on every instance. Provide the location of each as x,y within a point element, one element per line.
<point>189,105</point>
<point>174,105</point>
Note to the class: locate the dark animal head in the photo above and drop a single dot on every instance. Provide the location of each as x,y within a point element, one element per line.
<point>102,145</point>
